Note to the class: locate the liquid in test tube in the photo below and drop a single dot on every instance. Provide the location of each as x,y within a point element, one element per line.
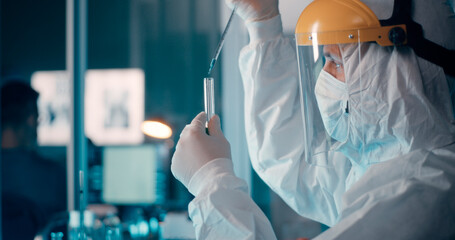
<point>209,98</point>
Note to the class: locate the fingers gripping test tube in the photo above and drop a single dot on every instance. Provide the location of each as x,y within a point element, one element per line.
<point>209,98</point>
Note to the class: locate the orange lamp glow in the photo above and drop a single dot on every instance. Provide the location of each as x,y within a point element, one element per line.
<point>156,129</point>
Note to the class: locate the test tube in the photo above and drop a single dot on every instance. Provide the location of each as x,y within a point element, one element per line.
<point>209,98</point>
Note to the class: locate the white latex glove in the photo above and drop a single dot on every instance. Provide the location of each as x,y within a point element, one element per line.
<point>195,148</point>
<point>254,10</point>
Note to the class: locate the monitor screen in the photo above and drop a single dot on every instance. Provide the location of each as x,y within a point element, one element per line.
<point>114,106</point>
<point>130,174</point>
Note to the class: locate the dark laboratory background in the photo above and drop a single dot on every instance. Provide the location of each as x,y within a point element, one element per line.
<point>167,44</point>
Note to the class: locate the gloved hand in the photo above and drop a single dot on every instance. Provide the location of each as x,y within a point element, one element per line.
<point>195,148</point>
<point>254,10</point>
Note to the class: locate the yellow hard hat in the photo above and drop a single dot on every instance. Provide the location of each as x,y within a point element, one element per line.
<point>343,21</point>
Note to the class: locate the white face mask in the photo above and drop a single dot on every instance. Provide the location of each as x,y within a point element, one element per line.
<point>332,98</point>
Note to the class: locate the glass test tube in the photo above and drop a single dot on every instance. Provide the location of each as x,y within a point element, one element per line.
<point>209,98</point>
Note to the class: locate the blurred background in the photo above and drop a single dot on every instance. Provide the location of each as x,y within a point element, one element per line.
<point>117,81</point>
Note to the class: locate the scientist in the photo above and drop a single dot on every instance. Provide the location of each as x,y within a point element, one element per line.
<point>358,133</point>
<point>33,187</point>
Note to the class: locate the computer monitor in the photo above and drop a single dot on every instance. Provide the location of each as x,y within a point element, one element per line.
<point>131,175</point>
<point>114,106</point>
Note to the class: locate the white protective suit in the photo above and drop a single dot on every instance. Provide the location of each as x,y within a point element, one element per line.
<point>404,191</point>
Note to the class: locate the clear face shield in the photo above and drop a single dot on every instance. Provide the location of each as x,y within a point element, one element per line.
<point>332,93</point>
<point>339,48</point>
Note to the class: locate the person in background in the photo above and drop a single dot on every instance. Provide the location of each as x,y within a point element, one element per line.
<point>33,188</point>
<point>367,146</point>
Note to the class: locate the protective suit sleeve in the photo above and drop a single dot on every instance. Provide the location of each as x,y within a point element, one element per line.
<point>273,122</point>
<point>410,197</point>
<point>223,208</point>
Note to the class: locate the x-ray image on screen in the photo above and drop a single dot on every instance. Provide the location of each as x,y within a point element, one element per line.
<point>53,107</point>
<point>114,101</point>
<point>114,106</point>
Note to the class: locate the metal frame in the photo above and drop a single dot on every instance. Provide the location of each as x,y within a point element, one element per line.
<point>76,65</point>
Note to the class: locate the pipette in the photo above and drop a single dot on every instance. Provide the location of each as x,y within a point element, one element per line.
<point>220,44</point>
